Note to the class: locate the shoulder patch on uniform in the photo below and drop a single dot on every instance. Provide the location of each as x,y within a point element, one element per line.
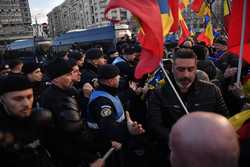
<point>106,111</point>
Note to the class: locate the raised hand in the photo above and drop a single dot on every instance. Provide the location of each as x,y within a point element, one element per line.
<point>133,127</point>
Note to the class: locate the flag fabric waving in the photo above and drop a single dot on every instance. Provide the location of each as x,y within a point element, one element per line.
<point>184,29</point>
<point>241,123</point>
<point>169,15</point>
<point>183,4</point>
<point>182,23</point>
<point>235,28</point>
<point>226,13</point>
<point>173,5</point>
<point>200,7</point>
<point>207,36</point>
<point>148,14</point>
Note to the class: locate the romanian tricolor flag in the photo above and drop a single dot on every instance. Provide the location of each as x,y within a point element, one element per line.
<point>184,29</point>
<point>182,23</point>
<point>169,15</point>
<point>207,36</point>
<point>201,7</point>
<point>148,14</point>
<point>241,123</point>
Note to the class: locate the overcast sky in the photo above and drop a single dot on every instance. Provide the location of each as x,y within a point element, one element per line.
<point>40,8</point>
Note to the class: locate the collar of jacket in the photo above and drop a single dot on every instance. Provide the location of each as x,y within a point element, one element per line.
<point>5,114</point>
<point>91,67</point>
<point>124,58</point>
<point>110,90</point>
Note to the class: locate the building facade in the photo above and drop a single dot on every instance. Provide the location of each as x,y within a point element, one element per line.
<point>40,30</point>
<point>81,14</point>
<point>15,20</point>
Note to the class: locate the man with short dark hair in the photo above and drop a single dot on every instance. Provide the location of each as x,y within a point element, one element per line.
<point>78,57</point>
<point>164,109</point>
<point>94,58</point>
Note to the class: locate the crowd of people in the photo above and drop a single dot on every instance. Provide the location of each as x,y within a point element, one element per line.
<point>83,104</point>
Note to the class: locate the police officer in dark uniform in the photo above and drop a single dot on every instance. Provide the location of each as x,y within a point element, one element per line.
<point>94,58</point>
<point>20,126</point>
<point>105,110</point>
<point>125,62</point>
<point>69,142</point>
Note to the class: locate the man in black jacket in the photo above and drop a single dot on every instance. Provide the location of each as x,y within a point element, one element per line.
<point>93,60</point>
<point>69,142</point>
<point>164,108</point>
<point>20,126</point>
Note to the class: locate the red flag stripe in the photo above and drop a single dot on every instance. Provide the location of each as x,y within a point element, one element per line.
<point>152,38</point>
<point>235,31</point>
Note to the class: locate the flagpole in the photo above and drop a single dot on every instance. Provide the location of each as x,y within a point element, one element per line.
<point>242,40</point>
<point>172,86</point>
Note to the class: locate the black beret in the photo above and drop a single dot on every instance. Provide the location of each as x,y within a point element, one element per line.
<point>14,82</point>
<point>30,67</point>
<point>107,71</point>
<point>93,53</point>
<point>59,67</point>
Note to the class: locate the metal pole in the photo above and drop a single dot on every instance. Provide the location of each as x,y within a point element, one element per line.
<point>243,29</point>
<point>110,151</point>
<point>172,86</point>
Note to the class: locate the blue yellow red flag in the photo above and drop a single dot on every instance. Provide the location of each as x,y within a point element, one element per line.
<point>167,18</point>
<point>207,36</point>
<point>201,8</point>
<point>185,33</point>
